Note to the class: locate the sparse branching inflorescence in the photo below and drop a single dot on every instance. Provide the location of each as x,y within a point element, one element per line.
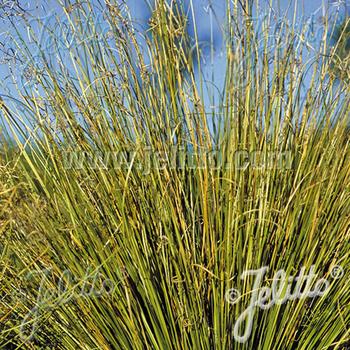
<point>10,8</point>
<point>116,170</point>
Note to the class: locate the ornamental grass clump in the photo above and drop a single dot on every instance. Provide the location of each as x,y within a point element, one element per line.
<point>130,208</point>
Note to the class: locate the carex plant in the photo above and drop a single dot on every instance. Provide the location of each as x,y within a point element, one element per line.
<point>171,242</point>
